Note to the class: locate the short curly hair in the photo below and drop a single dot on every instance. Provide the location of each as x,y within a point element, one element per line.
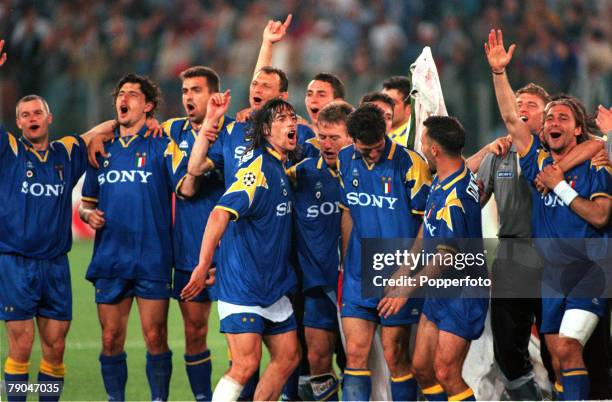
<point>367,124</point>
<point>148,87</point>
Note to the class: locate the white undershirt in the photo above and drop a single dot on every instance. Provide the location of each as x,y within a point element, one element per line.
<point>278,311</point>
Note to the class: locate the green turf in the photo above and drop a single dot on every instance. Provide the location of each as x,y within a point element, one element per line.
<point>83,379</point>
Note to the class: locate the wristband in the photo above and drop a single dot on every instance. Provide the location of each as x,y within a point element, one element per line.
<point>565,192</point>
<point>499,72</point>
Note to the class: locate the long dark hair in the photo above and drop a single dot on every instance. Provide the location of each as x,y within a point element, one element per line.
<point>261,124</point>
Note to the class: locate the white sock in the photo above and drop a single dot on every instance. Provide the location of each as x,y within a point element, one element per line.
<point>227,389</point>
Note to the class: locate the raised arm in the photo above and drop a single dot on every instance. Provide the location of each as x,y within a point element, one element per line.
<point>498,59</point>
<point>273,32</point>
<point>198,161</point>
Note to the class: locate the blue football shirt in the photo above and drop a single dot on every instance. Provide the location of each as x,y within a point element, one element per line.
<point>254,267</point>
<point>317,216</point>
<point>133,188</point>
<point>191,214</point>
<point>386,200</point>
<point>36,195</point>
<point>226,153</point>
<point>551,218</point>
<point>453,214</point>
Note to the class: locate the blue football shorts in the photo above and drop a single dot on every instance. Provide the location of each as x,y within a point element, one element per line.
<point>251,323</point>
<point>180,280</point>
<point>113,290</point>
<point>35,288</point>
<point>320,310</point>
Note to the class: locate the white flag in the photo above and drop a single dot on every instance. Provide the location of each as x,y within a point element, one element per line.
<point>427,93</point>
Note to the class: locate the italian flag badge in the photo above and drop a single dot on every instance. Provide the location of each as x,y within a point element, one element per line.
<point>386,185</point>
<point>141,159</point>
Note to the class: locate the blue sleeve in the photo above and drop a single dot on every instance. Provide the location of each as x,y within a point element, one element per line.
<point>175,160</point>
<point>418,183</point>
<point>295,172</point>
<point>226,122</point>
<point>457,224</point>
<point>343,181</point>
<point>304,134</point>
<point>76,154</point>
<point>529,160</point>
<point>307,140</point>
<point>170,128</point>
<point>245,193</point>
<point>91,187</point>
<point>215,153</point>
<point>601,183</point>
<point>454,227</point>
<point>8,141</point>
<point>310,150</point>
<point>4,139</point>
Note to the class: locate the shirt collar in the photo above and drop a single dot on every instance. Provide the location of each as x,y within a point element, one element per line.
<point>187,125</point>
<point>140,133</point>
<point>398,132</point>
<point>321,164</point>
<point>26,142</point>
<point>272,152</point>
<point>454,177</point>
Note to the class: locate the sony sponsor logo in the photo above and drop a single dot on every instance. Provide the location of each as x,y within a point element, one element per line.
<point>326,208</point>
<point>42,190</point>
<point>552,200</point>
<point>365,199</point>
<point>283,208</point>
<point>123,176</point>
